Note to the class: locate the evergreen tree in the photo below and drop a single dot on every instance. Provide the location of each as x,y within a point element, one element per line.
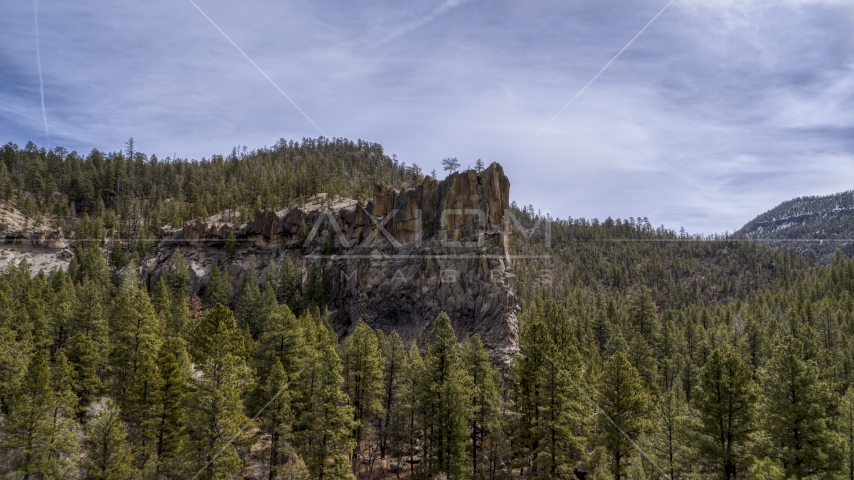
<point>724,405</point>
<point>89,314</point>
<point>218,289</point>
<point>484,419</point>
<point>394,370</point>
<point>161,298</point>
<point>140,410</point>
<point>847,429</point>
<point>625,410</point>
<point>178,276</point>
<point>411,409</point>
<point>668,357</point>
<point>325,422</point>
<point>363,380</point>
<point>444,395</point>
<point>230,245</point>
<point>29,430</point>
<point>65,408</point>
<point>136,333</point>
<point>479,166</point>
<point>247,303</point>
<point>266,304</point>
<point>108,451</point>
<point>548,404</point>
<point>800,410</point>
<point>671,438</point>
<point>61,309</point>
<point>170,413</point>
<point>215,421</point>
<point>290,284</point>
<point>13,361</point>
<point>277,418</point>
<point>642,314</point>
<point>283,339</point>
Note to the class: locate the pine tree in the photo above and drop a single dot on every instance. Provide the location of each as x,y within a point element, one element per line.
<point>363,380</point>
<point>642,314</point>
<point>170,413</point>
<point>216,422</point>
<point>29,430</point>
<point>601,330</point>
<point>484,419</point>
<point>13,361</point>
<point>177,315</point>
<point>178,276</point>
<point>847,428</point>
<point>216,336</point>
<point>140,411</point>
<point>64,441</point>
<point>283,339</point>
<point>625,410</point>
<point>277,418</point>
<point>61,309</point>
<point>444,395</point>
<point>136,333</point>
<point>724,405</point>
<point>246,306</point>
<point>161,298</point>
<point>108,451</point>
<point>668,357</point>
<point>800,409</point>
<point>671,440</point>
<point>266,304</point>
<point>218,289</point>
<point>410,409</point>
<point>230,245</point>
<point>89,314</point>
<point>548,402</point>
<point>691,350</point>
<point>394,370</point>
<point>325,418</point>
<point>290,284</point>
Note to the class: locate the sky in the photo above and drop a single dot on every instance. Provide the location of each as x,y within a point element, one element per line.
<point>718,111</point>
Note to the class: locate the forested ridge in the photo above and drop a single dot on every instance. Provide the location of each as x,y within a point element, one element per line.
<point>130,194</point>
<point>825,220</point>
<point>644,353</point>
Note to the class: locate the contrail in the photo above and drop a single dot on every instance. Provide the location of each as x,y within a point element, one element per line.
<point>605,67</point>
<point>41,81</point>
<point>434,14</point>
<point>257,68</point>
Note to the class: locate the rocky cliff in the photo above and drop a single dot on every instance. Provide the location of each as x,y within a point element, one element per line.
<point>396,262</point>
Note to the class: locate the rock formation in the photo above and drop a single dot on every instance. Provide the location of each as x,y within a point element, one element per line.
<point>395,263</point>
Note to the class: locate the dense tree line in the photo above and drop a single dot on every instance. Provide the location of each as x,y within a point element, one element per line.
<point>129,194</point>
<point>104,380</point>
<point>644,353</point>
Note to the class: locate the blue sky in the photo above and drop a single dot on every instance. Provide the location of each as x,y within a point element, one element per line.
<point>720,110</point>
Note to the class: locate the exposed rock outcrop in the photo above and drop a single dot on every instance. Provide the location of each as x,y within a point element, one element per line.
<point>395,263</point>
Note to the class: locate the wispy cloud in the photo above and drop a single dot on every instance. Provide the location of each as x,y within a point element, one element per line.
<point>705,123</point>
<point>41,80</point>
<point>437,12</point>
<point>604,68</point>
<point>258,68</point>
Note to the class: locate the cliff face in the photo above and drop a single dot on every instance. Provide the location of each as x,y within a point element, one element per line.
<point>395,263</point>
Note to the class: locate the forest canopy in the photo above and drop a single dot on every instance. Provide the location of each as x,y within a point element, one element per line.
<point>643,353</point>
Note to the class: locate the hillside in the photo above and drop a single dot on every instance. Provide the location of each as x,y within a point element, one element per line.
<point>420,329</point>
<point>820,224</point>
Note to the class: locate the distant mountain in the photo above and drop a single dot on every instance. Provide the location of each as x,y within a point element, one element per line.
<point>819,224</point>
